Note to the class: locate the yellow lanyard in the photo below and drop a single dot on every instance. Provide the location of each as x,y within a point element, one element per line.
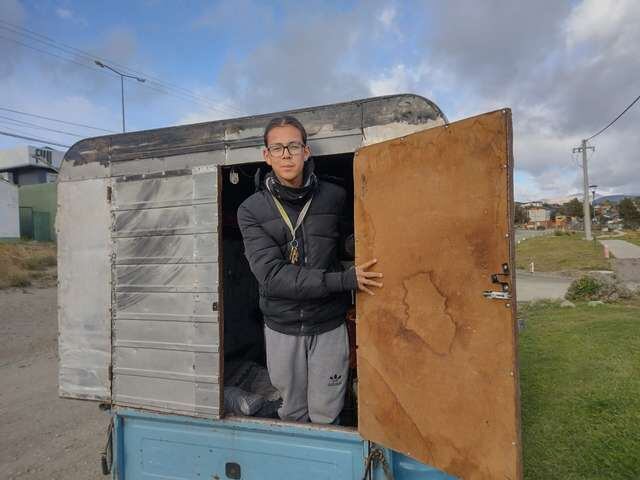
<point>294,254</point>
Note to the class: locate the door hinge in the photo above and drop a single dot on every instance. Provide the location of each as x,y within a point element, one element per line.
<point>109,194</point>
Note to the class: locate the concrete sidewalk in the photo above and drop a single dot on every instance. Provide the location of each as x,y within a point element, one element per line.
<point>540,285</point>
<point>622,249</point>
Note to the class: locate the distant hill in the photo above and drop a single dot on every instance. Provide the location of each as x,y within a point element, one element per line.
<point>598,200</point>
<point>613,198</point>
<point>561,200</point>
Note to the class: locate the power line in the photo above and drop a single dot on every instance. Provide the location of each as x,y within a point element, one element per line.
<point>162,90</point>
<point>42,127</point>
<point>615,119</point>
<point>47,53</point>
<point>55,120</point>
<point>52,43</point>
<point>33,139</point>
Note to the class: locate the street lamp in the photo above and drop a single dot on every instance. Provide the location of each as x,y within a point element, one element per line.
<point>122,75</point>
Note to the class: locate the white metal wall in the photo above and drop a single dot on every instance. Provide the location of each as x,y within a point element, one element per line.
<point>9,218</point>
<point>166,331</point>
<point>84,289</point>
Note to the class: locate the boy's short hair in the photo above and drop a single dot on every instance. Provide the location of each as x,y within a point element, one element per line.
<point>281,122</point>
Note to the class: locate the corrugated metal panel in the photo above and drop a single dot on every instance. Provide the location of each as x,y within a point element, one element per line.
<point>84,289</point>
<point>166,330</point>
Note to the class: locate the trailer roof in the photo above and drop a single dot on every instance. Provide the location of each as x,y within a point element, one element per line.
<point>92,157</point>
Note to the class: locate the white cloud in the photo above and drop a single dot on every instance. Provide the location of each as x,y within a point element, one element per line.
<point>387,16</point>
<point>606,21</point>
<point>69,15</point>
<point>398,79</point>
<point>64,13</point>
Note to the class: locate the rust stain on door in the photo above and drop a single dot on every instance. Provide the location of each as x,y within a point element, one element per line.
<point>426,315</point>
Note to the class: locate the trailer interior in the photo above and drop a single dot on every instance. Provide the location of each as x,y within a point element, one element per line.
<point>243,341</point>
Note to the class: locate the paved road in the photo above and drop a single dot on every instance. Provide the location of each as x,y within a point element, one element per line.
<point>539,285</point>
<point>622,249</point>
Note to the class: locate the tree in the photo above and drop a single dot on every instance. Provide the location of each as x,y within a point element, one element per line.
<point>629,213</point>
<point>521,215</point>
<point>573,208</point>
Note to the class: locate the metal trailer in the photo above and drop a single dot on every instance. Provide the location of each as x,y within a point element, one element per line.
<point>155,295</point>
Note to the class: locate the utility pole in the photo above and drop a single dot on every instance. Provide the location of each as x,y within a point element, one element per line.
<point>585,177</point>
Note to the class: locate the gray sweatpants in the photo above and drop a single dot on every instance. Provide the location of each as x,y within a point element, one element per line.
<point>310,372</point>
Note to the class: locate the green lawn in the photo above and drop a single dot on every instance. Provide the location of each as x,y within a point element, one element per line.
<point>561,253</point>
<point>580,384</point>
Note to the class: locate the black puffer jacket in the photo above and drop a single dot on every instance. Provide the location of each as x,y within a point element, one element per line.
<point>306,299</point>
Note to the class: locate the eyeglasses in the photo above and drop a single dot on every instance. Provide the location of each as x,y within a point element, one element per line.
<point>277,149</point>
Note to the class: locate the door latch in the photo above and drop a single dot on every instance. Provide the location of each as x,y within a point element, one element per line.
<point>496,278</point>
<point>496,295</point>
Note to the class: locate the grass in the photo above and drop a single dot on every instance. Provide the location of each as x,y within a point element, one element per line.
<point>27,263</point>
<point>632,236</point>
<point>580,383</point>
<point>561,253</point>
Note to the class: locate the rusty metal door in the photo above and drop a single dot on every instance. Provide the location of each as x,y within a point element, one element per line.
<point>437,359</point>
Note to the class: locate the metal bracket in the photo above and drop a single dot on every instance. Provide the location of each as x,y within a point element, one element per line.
<point>495,278</point>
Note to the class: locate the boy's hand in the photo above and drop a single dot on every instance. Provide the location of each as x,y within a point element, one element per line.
<point>364,277</point>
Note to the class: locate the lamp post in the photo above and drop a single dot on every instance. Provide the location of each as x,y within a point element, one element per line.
<point>122,75</point>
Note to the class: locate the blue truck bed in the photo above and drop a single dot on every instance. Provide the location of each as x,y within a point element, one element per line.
<point>173,447</point>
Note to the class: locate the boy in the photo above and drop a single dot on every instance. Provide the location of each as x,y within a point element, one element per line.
<point>290,229</point>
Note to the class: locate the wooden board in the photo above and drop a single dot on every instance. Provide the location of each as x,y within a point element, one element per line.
<point>437,361</point>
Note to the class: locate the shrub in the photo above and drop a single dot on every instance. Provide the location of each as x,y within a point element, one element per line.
<point>584,288</point>
<point>597,286</point>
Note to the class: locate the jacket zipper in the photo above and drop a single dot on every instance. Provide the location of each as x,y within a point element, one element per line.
<point>304,262</point>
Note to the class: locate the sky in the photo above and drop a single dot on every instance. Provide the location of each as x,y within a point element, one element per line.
<point>566,69</point>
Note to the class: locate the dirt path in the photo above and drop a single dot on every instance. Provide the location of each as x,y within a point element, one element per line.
<point>41,435</point>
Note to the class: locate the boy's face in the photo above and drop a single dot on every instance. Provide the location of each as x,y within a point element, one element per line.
<point>289,166</point>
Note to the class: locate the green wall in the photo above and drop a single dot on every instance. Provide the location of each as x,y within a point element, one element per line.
<point>41,197</point>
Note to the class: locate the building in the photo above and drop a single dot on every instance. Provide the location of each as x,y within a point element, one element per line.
<point>34,172</point>
<point>38,205</point>
<point>9,218</point>
<point>539,214</point>
<point>29,165</point>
